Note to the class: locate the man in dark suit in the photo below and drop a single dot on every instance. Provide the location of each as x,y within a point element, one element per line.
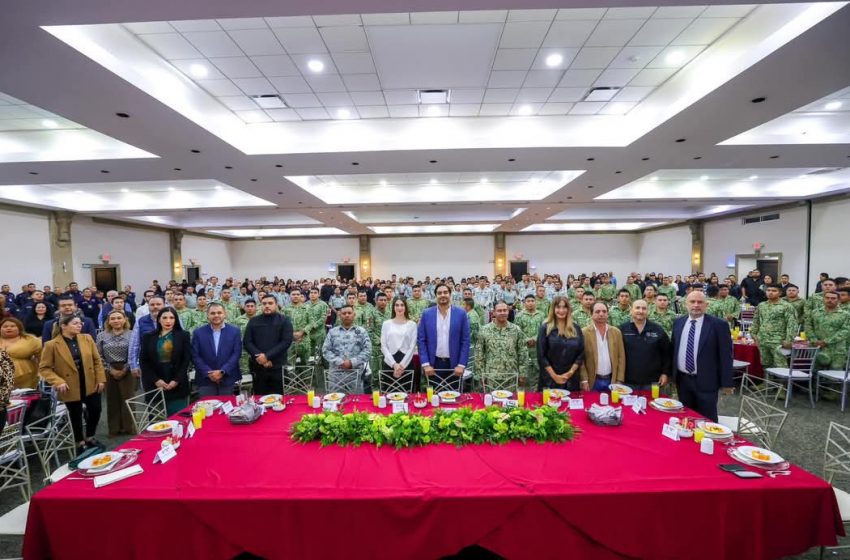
<point>702,357</point>
<point>67,306</point>
<point>267,340</point>
<point>444,338</point>
<point>216,349</point>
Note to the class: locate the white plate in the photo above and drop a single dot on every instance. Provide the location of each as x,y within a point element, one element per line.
<point>448,395</point>
<point>160,427</point>
<point>746,451</point>
<point>721,430</point>
<point>334,397</point>
<point>622,389</point>
<point>88,464</point>
<point>560,393</point>
<point>668,404</point>
<point>212,404</point>
<point>270,399</point>
<point>396,397</point>
<point>501,394</point>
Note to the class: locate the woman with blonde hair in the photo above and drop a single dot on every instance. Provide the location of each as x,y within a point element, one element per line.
<point>24,349</point>
<point>113,343</point>
<point>560,348</point>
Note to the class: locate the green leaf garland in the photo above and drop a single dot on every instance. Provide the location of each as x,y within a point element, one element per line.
<point>463,426</point>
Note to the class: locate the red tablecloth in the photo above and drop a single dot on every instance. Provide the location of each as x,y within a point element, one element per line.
<point>610,493</point>
<point>749,353</point>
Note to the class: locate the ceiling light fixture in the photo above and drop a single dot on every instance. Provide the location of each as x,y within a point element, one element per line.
<point>554,60</point>
<point>198,71</point>
<point>703,177</point>
<point>484,180</point>
<point>833,105</point>
<point>343,114</point>
<point>218,187</point>
<point>433,111</point>
<point>316,65</point>
<point>675,58</point>
<point>433,181</point>
<point>50,123</point>
<point>125,190</point>
<point>171,189</point>
<point>383,182</point>
<point>525,110</point>
<point>753,177</point>
<point>654,178</point>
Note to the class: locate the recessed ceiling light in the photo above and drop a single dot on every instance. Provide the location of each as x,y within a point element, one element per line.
<point>125,190</point>
<point>171,189</point>
<point>432,161</point>
<point>758,100</point>
<point>33,172</point>
<point>198,71</point>
<point>79,192</point>
<point>383,182</point>
<point>433,111</point>
<point>195,151</point>
<point>675,57</point>
<point>122,115</point>
<point>653,178</point>
<point>316,65</point>
<point>433,181</point>
<point>833,105</point>
<point>644,159</point>
<point>554,60</point>
<point>343,114</point>
<point>178,169</point>
<point>680,140</point>
<point>525,110</point>
<point>753,177</point>
<point>218,187</point>
<point>703,177</point>
<point>50,123</point>
<point>104,171</point>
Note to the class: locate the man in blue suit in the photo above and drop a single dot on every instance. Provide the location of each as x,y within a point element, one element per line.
<point>67,306</point>
<point>216,348</point>
<point>702,357</point>
<point>444,338</point>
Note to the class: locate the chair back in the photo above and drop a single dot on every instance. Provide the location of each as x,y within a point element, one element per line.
<point>298,380</point>
<point>803,359</point>
<point>836,458</point>
<point>765,390</point>
<point>147,408</point>
<point>14,468</point>
<point>445,380</point>
<point>760,422</point>
<point>388,383</point>
<point>348,381</point>
<point>499,381</point>
<point>15,418</point>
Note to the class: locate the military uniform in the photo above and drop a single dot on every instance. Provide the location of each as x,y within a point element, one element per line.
<point>299,315</point>
<point>318,315</point>
<point>231,310</point>
<point>500,350</point>
<point>669,290</point>
<point>188,319</point>
<point>416,306</point>
<point>242,323</point>
<point>543,305</point>
<point>773,325</point>
<point>198,319</point>
<point>484,299</point>
<point>634,291</point>
<point>727,306</point>
<point>529,324</point>
<point>799,305</point>
<point>813,303</point>
<point>346,344</point>
<point>832,327</point>
<point>617,316</point>
<point>581,317</point>
<point>374,330</point>
<point>664,319</point>
<point>607,293</point>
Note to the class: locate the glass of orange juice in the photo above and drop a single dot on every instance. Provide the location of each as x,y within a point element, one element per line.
<point>310,394</point>
<point>545,397</point>
<point>429,392</point>
<point>615,396</point>
<point>376,395</point>
<point>520,398</point>
<point>656,390</point>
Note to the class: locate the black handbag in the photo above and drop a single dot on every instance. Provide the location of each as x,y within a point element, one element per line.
<point>38,409</point>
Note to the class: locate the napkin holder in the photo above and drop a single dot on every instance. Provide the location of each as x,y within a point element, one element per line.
<point>247,413</point>
<point>605,415</point>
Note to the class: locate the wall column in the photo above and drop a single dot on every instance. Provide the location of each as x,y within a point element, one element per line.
<point>500,261</point>
<point>365,259</point>
<point>696,227</point>
<point>175,242</point>
<point>61,250</point>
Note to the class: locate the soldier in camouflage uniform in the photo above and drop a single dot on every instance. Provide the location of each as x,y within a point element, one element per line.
<point>662,314</point>
<point>844,299</point>
<point>815,301</point>
<point>299,315</point>
<point>575,302</point>
<point>774,327</point>
<point>417,304</point>
<point>242,322</point>
<point>347,349</point>
<point>792,296</point>
<point>649,294</point>
<point>230,306</point>
<point>633,289</point>
<point>200,314</point>
<point>829,330</point>
<point>381,313</point>
<point>584,314</point>
<point>501,346</point>
<point>529,321</point>
<point>318,310</point>
<point>621,312</point>
<point>729,307</point>
<point>184,314</point>
<point>668,288</point>
<point>607,290</point>
<point>362,310</point>
<point>542,302</point>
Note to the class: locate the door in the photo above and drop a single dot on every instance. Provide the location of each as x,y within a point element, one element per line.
<point>192,274</point>
<point>105,278</point>
<point>518,268</point>
<point>769,266</point>
<point>345,271</point>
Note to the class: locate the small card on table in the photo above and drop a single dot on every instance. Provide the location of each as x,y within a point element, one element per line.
<point>629,400</point>
<point>330,406</point>
<point>671,432</point>
<point>190,430</point>
<point>166,454</point>
<point>399,407</point>
<point>227,408</point>
<point>577,404</point>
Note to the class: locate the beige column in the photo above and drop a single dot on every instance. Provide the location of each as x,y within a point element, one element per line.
<point>176,245</point>
<point>500,260</point>
<point>61,250</point>
<point>365,268</point>
<point>696,227</point>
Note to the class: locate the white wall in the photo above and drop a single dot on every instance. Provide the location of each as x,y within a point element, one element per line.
<point>292,258</point>
<point>457,256</point>
<point>665,250</point>
<point>575,253</point>
<point>211,255</point>
<point>723,239</point>
<point>830,240</point>
<point>143,254</point>
<point>26,254</point>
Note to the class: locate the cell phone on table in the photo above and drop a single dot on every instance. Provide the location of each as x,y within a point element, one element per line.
<point>740,471</point>
<point>185,414</point>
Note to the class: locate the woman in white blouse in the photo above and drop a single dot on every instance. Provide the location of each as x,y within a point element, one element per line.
<point>398,340</point>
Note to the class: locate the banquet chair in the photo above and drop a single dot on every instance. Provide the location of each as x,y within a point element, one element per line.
<point>50,436</point>
<point>499,381</point>
<point>836,462</point>
<point>740,367</point>
<point>763,422</point>
<point>764,390</point>
<point>445,380</point>
<point>14,468</point>
<point>41,429</point>
<point>834,377</point>
<point>246,384</point>
<point>147,408</point>
<point>298,380</point>
<point>799,371</point>
<point>387,383</point>
<point>748,313</point>
<point>348,381</point>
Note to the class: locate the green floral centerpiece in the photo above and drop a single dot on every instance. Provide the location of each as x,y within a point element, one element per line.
<point>463,426</point>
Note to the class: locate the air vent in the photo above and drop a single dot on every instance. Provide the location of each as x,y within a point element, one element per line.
<point>433,96</point>
<point>759,219</point>
<point>601,93</point>
<point>269,101</point>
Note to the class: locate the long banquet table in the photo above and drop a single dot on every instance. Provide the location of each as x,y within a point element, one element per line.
<point>624,492</point>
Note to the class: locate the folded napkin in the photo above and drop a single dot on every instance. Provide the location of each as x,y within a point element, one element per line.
<point>106,479</point>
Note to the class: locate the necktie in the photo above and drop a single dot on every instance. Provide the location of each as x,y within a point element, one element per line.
<point>689,349</point>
